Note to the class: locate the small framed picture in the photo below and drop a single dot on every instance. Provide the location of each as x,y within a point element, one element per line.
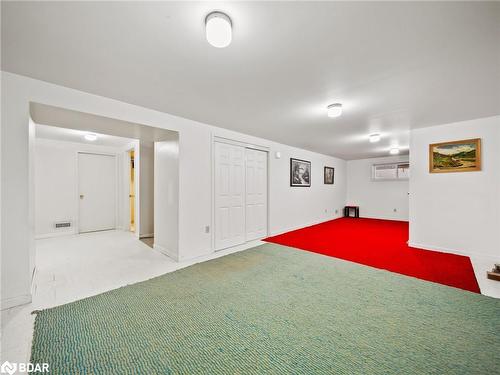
<point>300,173</point>
<point>329,175</point>
<point>456,156</point>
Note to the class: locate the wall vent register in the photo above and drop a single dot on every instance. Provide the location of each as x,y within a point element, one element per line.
<point>63,224</point>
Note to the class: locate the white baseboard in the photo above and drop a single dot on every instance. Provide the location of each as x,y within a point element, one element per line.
<point>147,235</point>
<point>167,252</point>
<point>385,218</point>
<point>8,303</point>
<point>55,234</point>
<point>434,248</point>
<point>450,251</point>
<point>311,223</point>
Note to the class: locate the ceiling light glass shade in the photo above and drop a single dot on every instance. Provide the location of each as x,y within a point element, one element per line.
<point>334,110</point>
<point>218,28</point>
<point>394,151</point>
<point>374,138</point>
<point>90,137</point>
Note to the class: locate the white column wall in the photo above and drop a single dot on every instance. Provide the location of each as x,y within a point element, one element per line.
<point>456,212</point>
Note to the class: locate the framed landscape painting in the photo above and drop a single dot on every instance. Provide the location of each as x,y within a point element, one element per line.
<point>457,156</point>
<point>329,175</point>
<point>300,172</point>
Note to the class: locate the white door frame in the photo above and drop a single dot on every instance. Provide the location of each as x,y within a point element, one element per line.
<point>212,164</point>
<point>77,187</point>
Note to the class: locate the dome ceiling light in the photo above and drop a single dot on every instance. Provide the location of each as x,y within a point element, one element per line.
<point>218,29</point>
<point>90,137</point>
<point>334,110</point>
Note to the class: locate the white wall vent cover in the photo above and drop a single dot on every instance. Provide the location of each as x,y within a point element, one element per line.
<point>62,224</point>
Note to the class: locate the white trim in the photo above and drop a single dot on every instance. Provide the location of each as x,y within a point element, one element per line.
<point>446,250</point>
<point>54,234</point>
<point>296,227</point>
<point>171,254</point>
<point>212,192</point>
<point>137,183</point>
<point>268,197</point>
<point>239,143</point>
<point>33,275</point>
<point>117,190</point>
<point>384,217</point>
<point>147,235</point>
<point>24,299</point>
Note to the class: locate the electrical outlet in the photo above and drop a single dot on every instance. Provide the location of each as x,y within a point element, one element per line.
<point>207,229</point>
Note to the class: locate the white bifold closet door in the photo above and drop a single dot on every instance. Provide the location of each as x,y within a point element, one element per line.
<point>97,190</point>
<point>240,195</point>
<point>229,195</point>
<point>256,194</point>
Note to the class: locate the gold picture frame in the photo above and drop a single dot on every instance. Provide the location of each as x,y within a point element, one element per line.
<point>456,156</point>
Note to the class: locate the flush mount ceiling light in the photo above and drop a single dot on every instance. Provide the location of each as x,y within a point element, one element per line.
<point>218,29</point>
<point>90,136</point>
<point>374,138</point>
<point>394,151</point>
<point>334,110</point>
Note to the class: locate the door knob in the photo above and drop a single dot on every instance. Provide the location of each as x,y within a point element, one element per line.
<point>81,196</point>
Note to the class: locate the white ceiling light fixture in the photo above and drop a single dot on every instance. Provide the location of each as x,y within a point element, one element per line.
<point>394,151</point>
<point>334,110</point>
<point>374,138</point>
<point>90,137</point>
<point>218,29</point>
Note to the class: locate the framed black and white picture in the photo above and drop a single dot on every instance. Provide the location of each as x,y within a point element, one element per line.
<point>329,175</point>
<point>300,172</point>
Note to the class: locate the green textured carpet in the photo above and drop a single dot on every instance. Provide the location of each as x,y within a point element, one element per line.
<point>276,310</point>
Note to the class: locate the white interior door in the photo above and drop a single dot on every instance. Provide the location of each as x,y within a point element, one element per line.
<point>97,190</point>
<point>229,195</point>
<point>256,194</point>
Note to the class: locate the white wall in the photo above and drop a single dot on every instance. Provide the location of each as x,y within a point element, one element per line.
<point>456,212</point>
<point>377,199</point>
<point>56,184</point>
<point>31,198</point>
<point>146,177</point>
<point>295,207</point>
<point>289,207</point>
<point>166,196</point>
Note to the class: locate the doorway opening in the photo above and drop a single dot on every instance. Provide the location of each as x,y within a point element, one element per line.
<point>130,154</point>
<point>94,183</point>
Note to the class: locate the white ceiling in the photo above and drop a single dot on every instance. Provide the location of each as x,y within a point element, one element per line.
<point>77,136</point>
<point>394,66</point>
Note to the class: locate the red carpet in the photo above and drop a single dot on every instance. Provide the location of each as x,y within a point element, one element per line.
<point>381,244</point>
